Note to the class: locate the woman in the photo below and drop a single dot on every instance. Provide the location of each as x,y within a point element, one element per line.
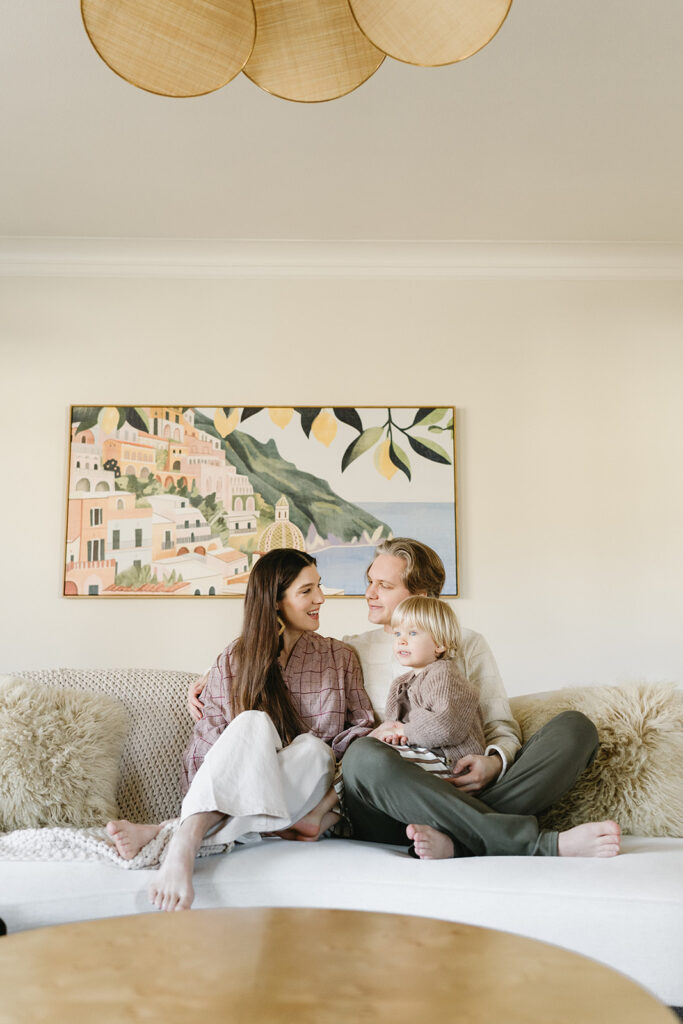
<point>279,703</point>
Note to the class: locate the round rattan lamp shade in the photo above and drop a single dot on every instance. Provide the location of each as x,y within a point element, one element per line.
<point>172,47</point>
<point>309,50</point>
<point>430,32</point>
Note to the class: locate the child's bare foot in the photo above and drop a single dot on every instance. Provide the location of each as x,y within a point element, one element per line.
<point>171,887</point>
<point>129,837</point>
<point>430,844</point>
<point>594,839</point>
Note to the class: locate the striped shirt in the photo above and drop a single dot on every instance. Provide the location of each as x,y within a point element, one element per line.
<point>324,678</point>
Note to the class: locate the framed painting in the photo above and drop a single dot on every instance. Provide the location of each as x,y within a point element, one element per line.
<point>179,501</point>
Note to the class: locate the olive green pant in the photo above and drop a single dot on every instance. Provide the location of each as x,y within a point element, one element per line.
<point>384,793</point>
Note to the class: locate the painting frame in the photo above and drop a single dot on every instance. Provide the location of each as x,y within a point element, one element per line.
<point>179,500</point>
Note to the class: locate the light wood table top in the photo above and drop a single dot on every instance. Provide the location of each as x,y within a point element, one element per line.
<point>296,965</point>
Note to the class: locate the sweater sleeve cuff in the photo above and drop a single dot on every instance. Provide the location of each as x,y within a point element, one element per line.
<point>493,749</point>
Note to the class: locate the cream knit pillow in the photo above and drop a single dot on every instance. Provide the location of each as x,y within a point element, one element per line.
<point>59,755</point>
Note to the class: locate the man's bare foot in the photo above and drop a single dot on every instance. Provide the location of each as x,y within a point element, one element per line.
<point>171,887</point>
<point>129,837</point>
<point>594,839</point>
<point>430,844</point>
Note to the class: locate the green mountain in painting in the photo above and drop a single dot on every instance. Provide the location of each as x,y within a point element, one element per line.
<point>312,502</point>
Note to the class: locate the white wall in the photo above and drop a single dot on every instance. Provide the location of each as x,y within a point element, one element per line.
<point>569,448</point>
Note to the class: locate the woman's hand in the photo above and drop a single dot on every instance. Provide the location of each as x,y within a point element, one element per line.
<point>390,732</point>
<point>194,705</point>
<point>473,772</point>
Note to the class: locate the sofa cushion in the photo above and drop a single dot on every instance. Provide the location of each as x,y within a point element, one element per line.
<point>160,727</point>
<point>60,755</point>
<point>636,775</point>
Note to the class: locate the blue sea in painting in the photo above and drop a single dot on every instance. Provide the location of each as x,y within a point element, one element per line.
<point>431,522</point>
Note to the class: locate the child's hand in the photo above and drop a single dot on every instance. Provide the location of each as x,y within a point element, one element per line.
<point>390,732</point>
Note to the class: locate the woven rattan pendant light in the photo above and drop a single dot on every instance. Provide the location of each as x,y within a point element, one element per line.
<point>172,47</point>
<point>430,32</point>
<point>309,50</point>
<point>303,50</point>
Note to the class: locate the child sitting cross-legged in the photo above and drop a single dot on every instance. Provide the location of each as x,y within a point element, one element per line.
<point>432,713</point>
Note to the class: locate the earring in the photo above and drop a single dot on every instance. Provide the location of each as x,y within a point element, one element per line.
<point>280,626</point>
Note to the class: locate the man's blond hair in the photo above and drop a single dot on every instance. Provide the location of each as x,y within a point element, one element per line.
<point>431,616</point>
<point>424,571</point>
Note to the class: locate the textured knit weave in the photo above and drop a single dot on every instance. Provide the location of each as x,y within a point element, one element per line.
<point>149,786</point>
<point>91,844</point>
<point>439,710</point>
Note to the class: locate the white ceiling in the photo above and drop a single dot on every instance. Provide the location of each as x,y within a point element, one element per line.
<point>568,125</point>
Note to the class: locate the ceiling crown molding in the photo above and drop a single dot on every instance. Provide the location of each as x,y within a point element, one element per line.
<point>220,258</point>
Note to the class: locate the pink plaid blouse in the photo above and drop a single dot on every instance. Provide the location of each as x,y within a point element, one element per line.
<point>324,678</point>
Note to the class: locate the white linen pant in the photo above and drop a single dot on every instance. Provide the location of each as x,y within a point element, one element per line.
<point>261,785</point>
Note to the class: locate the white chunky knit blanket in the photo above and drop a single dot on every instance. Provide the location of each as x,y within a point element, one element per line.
<point>93,844</point>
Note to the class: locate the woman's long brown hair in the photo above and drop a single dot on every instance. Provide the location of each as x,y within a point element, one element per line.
<point>259,684</point>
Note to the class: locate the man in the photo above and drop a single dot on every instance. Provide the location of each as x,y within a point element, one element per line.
<point>401,568</point>
<point>384,795</point>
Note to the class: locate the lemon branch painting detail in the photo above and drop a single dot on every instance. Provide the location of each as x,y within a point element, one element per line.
<point>179,501</point>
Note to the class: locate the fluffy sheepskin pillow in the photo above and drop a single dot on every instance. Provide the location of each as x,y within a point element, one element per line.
<point>60,755</point>
<point>636,776</point>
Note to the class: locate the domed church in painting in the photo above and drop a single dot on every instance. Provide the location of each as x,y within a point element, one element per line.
<point>282,533</point>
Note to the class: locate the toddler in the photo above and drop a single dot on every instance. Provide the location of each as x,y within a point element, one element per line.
<point>432,712</point>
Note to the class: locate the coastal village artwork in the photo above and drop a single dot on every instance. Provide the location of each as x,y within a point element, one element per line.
<point>180,501</point>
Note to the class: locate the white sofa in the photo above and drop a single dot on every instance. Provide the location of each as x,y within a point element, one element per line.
<point>626,912</point>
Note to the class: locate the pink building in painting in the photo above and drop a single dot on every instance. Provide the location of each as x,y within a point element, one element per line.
<point>207,461</point>
<point>106,534</point>
<point>133,457</point>
<point>110,531</point>
<point>88,570</point>
<point>178,453</point>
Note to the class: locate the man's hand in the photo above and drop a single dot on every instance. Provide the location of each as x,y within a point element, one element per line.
<point>473,772</point>
<point>390,732</point>
<point>194,705</point>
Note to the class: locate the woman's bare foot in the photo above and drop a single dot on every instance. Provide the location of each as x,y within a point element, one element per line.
<point>309,828</point>
<point>129,837</point>
<point>430,844</point>
<point>594,839</point>
<point>171,887</point>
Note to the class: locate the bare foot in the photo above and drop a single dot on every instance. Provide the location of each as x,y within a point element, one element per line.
<point>129,837</point>
<point>171,887</point>
<point>430,844</point>
<point>594,839</point>
<point>309,828</point>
